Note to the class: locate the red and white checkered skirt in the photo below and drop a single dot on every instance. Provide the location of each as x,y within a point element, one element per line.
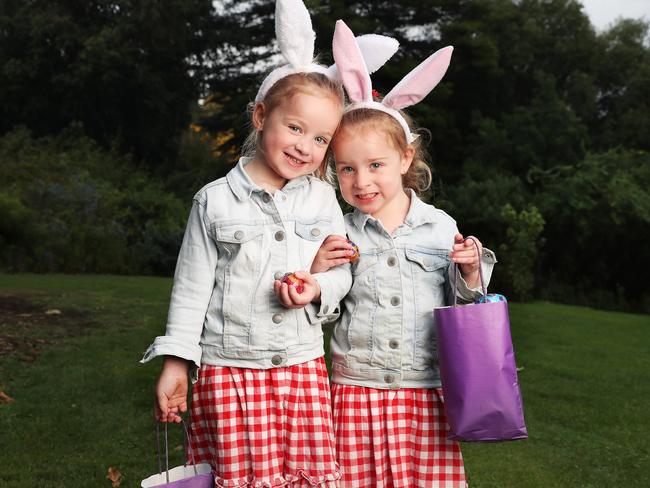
<point>265,428</point>
<point>394,438</point>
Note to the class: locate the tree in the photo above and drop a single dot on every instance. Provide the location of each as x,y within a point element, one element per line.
<point>128,71</point>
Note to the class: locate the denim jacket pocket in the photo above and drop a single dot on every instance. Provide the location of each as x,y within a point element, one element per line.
<point>241,254</point>
<point>311,235</point>
<point>314,231</point>
<point>434,263</point>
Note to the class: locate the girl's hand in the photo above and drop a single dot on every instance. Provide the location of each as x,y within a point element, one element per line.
<point>334,250</point>
<point>171,390</point>
<point>466,255</point>
<point>290,298</point>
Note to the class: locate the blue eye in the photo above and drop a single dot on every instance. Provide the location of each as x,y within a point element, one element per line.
<point>321,140</point>
<point>294,128</point>
<point>375,165</point>
<point>346,170</point>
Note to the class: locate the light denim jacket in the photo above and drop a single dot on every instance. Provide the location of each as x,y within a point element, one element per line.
<point>239,239</point>
<point>386,337</point>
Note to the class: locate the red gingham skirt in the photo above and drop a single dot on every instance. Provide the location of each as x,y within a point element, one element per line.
<point>394,438</point>
<point>265,428</point>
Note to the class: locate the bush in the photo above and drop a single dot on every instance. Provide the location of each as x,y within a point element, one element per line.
<point>69,206</point>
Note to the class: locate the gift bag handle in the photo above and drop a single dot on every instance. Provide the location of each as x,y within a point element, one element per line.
<point>186,439</point>
<point>480,272</point>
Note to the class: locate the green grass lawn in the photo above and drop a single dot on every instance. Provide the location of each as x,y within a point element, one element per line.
<point>82,402</point>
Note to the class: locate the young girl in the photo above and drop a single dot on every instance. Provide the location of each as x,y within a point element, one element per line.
<point>389,420</point>
<point>260,412</point>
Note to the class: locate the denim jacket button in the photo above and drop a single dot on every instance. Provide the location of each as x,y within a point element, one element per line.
<point>278,275</point>
<point>276,360</point>
<point>277,318</point>
<point>392,261</point>
<point>395,301</point>
<point>279,235</point>
<point>315,232</point>
<point>393,344</point>
<point>326,309</point>
<point>389,378</point>
<point>266,198</point>
<point>239,235</point>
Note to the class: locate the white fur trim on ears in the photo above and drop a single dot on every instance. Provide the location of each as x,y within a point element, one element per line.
<point>410,137</point>
<point>283,71</point>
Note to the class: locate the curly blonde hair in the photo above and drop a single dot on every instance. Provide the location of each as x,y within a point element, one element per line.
<point>418,177</point>
<point>316,84</point>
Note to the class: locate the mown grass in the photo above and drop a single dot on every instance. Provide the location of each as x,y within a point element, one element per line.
<point>84,404</point>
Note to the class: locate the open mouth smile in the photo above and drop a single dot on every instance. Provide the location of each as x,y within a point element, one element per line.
<point>294,161</point>
<point>366,197</point>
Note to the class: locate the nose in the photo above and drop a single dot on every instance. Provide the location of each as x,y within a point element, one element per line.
<point>361,179</point>
<point>302,146</point>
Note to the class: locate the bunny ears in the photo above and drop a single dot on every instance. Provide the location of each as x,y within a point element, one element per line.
<point>296,41</point>
<point>356,78</point>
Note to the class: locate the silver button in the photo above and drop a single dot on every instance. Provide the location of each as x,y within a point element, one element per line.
<point>276,360</point>
<point>395,301</point>
<point>389,378</point>
<point>239,235</point>
<point>393,344</point>
<point>392,261</point>
<point>279,235</point>
<point>277,318</point>
<point>266,198</point>
<point>315,232</point>
<point>278,275</point>
<point>326,309</point>
<point>427,262</point>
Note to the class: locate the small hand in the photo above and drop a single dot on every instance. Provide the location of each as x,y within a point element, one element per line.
<point>334,250</point>
<point>466,255</point>
<point>290,298</point>
<point>171,390</point>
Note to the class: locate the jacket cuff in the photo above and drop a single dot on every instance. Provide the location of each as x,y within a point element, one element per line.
<point>488,260</point>
<point>170,346</point>
<point>329,305</point>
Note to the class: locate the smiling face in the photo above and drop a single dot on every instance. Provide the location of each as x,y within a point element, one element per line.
<point>295,134</point>
<point>370,169</point>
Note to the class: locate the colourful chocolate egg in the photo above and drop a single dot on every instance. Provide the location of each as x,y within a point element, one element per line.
<point>491,297</point>
<point>355,256</point>
<point>292,280</point>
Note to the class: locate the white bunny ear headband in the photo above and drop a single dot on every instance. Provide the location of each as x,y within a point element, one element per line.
<point>356,78</point>
<point>296,40</point>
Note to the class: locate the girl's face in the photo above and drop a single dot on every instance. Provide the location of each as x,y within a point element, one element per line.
<point>296,133</point>
<point>370,168</point>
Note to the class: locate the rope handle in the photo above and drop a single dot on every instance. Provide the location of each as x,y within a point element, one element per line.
<point>186,441</point>
<point>480,272</point>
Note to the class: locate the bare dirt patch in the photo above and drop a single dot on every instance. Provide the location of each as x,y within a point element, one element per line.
<point>26,326</point>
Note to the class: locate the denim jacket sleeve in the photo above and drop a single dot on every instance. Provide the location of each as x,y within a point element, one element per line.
<point>194,280</point>
<point>336,282</point>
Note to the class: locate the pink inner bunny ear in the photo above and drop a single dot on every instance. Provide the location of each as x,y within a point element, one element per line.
<point>418,83</point>
<point>350,64</point>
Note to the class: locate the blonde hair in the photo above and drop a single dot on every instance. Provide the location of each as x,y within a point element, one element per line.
<point>418,177</point>
<point>309,83</point>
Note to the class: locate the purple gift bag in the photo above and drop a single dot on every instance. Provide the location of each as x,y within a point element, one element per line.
<point>478,371</point>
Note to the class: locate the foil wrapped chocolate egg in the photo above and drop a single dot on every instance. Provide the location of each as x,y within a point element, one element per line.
<point>355,256</point>
<point>292,280</point>
<point>491,297</point>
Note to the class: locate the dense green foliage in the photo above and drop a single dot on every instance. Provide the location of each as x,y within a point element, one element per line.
<point>70,206</point>
<point>538,131</point>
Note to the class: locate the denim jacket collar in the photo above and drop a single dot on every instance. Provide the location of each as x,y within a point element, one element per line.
<point>242,186</point>
<point>419,214</point>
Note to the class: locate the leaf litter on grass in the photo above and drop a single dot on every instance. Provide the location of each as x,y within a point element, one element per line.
<point>27,326</point>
